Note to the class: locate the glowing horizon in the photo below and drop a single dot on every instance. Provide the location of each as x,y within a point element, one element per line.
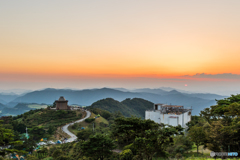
<point>125,40</point>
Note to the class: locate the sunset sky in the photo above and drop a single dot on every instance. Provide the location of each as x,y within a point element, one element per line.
<point>191,45</point>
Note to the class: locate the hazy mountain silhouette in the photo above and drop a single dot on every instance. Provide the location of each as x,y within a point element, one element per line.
<point>2,101</point>
<point>2,106</point>
<point>88,96</point>
<point>148,90</point>
<point>208,96</point>
<point>5,98</point>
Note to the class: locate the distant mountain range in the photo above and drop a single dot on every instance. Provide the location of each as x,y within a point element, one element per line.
<point>87,97</point>
<point>20,108</point>
<point>14,91</point>
<point>2,101</point>
<point>2,106</point>
<point>5,98</point>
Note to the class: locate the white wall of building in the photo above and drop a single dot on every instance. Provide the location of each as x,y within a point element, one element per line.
<point>155,116</point>
<point>168,119</point>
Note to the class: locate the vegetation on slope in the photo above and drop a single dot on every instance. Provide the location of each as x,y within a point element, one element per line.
<point>138,105</point>
<point>100,124</point>
<point>47,118</point>
<point>217,129</point>
<point>128,107</point>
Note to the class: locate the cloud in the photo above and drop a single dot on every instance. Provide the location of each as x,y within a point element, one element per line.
<point>215,76</point>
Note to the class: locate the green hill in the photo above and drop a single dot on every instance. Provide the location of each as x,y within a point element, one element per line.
<point>46,118</point>
<point>100,124</point>
<point>128,107</point>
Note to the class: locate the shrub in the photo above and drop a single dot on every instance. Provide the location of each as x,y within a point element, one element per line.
<point>126,154</point>
<point>48,158</point>
<point>63,158</point>
<point>89,120</point>
<point>75,126</point>
<point>103,124</point>
<point>57,153</point>
<point>31,157</point>
<point>84,134</point>
<point>178,155</point>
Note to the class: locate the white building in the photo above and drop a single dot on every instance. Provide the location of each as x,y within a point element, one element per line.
<point>169,115</point>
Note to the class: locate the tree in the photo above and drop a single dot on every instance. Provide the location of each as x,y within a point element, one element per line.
<point>224,118</point>
<point>32,157</point>
<point>63,158</point>
<point>84,134</point>
<point>28,145</point>
<point>156,141</point>
<point>51,130</point>
<point>126,154</point>
<point>37,132</point>
<point>98,147</point>
<point>182,143</point>
<point>20,127</point>
<point>197,135</point>
<point>144,137</point>
<point>57,153</point>
<point>126,129</point>
<point>54,105</point>
<point>7,139</point>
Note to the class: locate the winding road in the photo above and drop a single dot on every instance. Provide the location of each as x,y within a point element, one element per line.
<point>73,136</point>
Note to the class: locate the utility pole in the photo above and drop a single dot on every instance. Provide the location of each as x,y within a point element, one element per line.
<point>26,133</point>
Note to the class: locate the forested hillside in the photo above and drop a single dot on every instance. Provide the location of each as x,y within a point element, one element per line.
<point>128,107</point>
<point>46,118</point>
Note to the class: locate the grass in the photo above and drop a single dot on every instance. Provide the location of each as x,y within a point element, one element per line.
<point>89,125</point>
<point>37,106</point>
<point>201,150</point>
<point>56,119</point>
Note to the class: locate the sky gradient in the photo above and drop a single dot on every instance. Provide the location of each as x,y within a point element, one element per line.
<point>83,44</point>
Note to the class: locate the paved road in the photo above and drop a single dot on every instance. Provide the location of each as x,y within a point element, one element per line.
<point>73,136</point>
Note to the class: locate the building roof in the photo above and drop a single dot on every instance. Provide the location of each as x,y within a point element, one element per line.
<point>166,105</point>
<point>158,104</point>
<point>171,106</point>
<point>61,99</point>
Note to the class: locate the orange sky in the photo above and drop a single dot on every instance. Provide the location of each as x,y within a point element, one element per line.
<point>119,39</point>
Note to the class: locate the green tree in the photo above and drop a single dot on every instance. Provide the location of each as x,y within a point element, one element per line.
<point>51,130</point>
<point>84,134</point>
<point>126,155</point>
<point>63,158</point>
<point>224,118</point>
<point>197,136</point>
<point>32,157</point>
<point>28,145</point>
<point>124,130</point>
<point>98,147</point>
<point>156,141</point>
<point>54,105</point>
<point>37,132</point>
<point>57,153</point>
<point>182,143</point>
<point>7,139</point>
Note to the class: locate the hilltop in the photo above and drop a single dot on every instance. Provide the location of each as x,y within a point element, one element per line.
<point>128,107</point>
